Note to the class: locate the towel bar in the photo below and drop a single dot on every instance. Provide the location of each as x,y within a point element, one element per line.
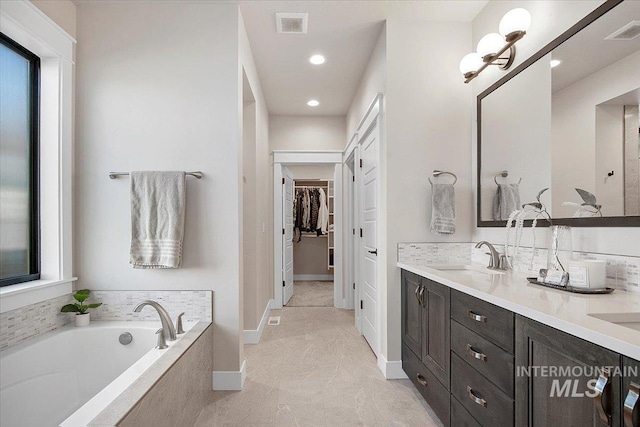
<point>503,174</point>
<point>114,175</point>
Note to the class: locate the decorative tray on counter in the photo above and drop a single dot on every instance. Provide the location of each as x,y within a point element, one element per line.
<point>573,289</point>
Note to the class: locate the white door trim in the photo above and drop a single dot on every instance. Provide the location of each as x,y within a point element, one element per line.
<point>307,157</point>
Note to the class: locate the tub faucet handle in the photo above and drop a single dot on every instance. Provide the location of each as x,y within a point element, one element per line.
<point>179,329</point>
<point>162,343</point>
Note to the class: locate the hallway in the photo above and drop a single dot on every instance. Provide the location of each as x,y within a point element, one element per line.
<point>314,370</point>
<point>312,294</point>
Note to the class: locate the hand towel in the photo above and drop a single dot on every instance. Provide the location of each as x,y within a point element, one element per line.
<point>443,209</point>
<point>507,200</point>
<point>157,219</point>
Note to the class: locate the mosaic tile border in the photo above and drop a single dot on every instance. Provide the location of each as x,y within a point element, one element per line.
<point>623,272</point>
<point>22,324</point>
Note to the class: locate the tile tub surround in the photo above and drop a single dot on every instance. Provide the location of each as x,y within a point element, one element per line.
<point>119,305</point>
<point>623,272</point>
<point>24,323</point>
<point>28,322</point>
<point>172,391</point>
<point>560,310</point>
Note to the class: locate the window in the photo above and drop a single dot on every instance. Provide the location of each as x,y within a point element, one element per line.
<point>19,128</point>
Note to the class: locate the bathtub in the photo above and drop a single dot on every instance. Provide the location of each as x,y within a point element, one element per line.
<point>69,376</point>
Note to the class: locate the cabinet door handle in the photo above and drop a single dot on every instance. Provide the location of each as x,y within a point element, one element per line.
<point>421,380</point>
<point>477,317</point>
<point>631,404</point>
<point>416,293</point>
<point>421,295</point>
<point>600,400</point>
<point>477,355</point>
<point>480,401</point>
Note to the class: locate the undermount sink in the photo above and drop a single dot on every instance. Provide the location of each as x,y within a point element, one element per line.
<point>465,267</point>
<point>628,320</point>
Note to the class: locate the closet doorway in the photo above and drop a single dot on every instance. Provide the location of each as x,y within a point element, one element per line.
<point>307,239</point>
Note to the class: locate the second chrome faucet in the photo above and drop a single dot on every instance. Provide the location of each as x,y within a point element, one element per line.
<point>167,325</point>
<point>497,261</point>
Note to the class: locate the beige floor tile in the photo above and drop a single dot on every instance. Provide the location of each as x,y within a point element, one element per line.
<point>315,370</point>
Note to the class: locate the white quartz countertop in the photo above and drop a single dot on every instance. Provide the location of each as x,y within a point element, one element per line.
<point>568,312</point>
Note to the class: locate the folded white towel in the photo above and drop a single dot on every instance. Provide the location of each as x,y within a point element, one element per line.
<point>443,209</point>
<point>157,219</point>
<point>507,200</point>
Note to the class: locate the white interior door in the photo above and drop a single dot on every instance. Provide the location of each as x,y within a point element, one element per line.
<point>287,235</point>
<point>369,181</point>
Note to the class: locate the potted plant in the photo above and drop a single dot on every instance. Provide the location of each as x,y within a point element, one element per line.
<point>82,315</point>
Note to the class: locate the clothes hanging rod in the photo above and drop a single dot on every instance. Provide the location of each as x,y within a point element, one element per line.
<point>114,175</point>
<point>437,173</point>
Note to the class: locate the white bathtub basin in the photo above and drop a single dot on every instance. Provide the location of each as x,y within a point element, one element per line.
<point>45,380</point>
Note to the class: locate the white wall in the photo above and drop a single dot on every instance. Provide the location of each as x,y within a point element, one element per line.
<point>259,289</point>
<point>609,156</point>
<point>307,132</point>
<point>543,30</point>
<point>62,12</point>
<point>158,89</point>
<point>372,82</point>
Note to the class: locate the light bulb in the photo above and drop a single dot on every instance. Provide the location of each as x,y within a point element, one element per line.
<point>313,103</point>
<point>490,44</point>
<point>515,20</point>
<point>317,59</point>
<point>470,63</point>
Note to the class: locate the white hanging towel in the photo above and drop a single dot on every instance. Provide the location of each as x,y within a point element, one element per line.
<point>323,213</point>
<point>158,202</point>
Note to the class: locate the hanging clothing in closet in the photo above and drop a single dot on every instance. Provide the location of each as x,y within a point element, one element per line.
<point>310,212</point>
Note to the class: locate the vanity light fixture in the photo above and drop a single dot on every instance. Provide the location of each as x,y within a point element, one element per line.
<point>513,26</point>
<point>313,103</point>
<point>317,59</point>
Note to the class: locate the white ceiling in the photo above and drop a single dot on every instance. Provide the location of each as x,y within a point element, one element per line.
<point>344,32</point>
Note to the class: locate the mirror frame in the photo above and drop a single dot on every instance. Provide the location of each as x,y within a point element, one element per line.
<point>614,221</point>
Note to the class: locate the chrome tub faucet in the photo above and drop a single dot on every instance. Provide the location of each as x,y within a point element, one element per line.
<point>167,325</point>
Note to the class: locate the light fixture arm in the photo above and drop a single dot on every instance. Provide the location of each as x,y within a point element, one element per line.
<point>511,40</point>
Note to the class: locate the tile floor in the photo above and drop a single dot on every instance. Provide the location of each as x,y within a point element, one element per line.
<point>314,370</point>
<point>312,294</point>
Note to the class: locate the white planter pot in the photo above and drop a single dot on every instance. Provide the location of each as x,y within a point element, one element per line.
<point>83,319</point>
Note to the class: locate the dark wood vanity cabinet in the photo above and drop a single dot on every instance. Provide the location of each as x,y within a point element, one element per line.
<point>630,392</point>
<point>425,337</point>
<point>582,395</point>
<point>480,365</point>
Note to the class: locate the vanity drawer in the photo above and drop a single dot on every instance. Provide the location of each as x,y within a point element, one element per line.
<point>490,321</point>
<point>460,417</point>
<point>436,395</point>
<point>483,400</point>
<point>487,358</point>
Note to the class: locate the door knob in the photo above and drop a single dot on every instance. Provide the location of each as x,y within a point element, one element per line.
<point>375,252</point>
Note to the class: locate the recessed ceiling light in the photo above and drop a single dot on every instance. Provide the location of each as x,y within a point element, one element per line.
<point>555,62</point>
<point>313,103</point>
<point>317,59</point>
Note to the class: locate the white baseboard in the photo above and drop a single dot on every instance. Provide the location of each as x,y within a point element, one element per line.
<point>321,277</point>
<point>391,370</point>
<point>274,305</point>
<point>252,336</point>
<point>230,380</point>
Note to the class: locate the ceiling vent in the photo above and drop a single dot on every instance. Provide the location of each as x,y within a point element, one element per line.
<point>291,23</point>
<point>628,32</point>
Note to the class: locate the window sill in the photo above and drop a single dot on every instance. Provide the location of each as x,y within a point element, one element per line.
<point>22,294</point>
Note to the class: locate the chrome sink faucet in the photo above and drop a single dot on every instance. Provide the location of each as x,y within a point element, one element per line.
<point>497,261</point>
<point>167,325</point>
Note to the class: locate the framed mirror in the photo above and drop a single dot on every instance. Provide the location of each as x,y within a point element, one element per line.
<point>567,119</point>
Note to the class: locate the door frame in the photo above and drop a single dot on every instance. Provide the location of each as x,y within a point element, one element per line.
<point>307,157</point>
<point>372,121</point>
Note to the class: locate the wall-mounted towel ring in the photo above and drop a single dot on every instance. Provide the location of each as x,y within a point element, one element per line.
<point>503,174</point>
<point>437,173</point>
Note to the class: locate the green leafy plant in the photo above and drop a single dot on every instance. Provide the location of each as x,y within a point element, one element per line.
<point>589,207</point>
<point>79,307</point>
